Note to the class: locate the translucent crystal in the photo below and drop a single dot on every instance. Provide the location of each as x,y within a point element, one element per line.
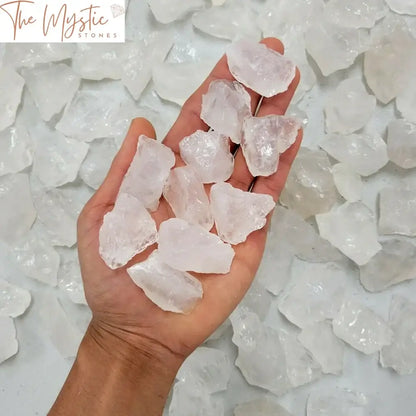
<point>189,247</point>
<point>51,86</point>
<point>224,108</point>
<point>168,288</point>
<point>16,206</point>
<point>257,300</point>
<point>8,341</point>
<point>349,107</point>
<point>16,152</point>
<point>401,354</point>
<point>310,186</point>
<point>401,143</point>
<point>13,300</point>
<point>348,182</point>
<point>126,231</point>
<point>209,154</point>
<point>316,295</point>
<point>402,6</point>
<point>406,101</point>
<point>361,328</point>
<point>264,70</point>
<point>148,172</point>
<point>238,213</point>
<point>260,407</point>
<point>264,139</point>
<point>398,210</point>
<point>365,154</point>
<point>11,87</point>
<point>186,195</point>
<point>167,11</point>
<point>326,348</point>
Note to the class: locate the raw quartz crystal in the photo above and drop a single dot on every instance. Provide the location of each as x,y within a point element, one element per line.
<point>260,407</point>
<point>51,86</point>
<point>365,154</point>
<point>401,353</point>
<point>225,106</point>
<point>188,247</point>
<point>325,347</point>
<point>316,295</point>
<point>351,228</point>
<point>170,289</point>
<point>126,231</point>
<point>406,100</point>
<point>16,150</point>
<point>186,195</point>
<point>167,11</point>
<point>401,143</point>
<point>348,182</point>
<point>360,327</point>
<point>209,154</point>
<point>16,206</point>
<point>148,172</point>
<point>395,263</point>
<point>402,6</point>
<point>398,210</point>
<point>8,341</point>
<point>310,188</point>
<point>264,70</point>
<point>339,402</point>
<point>349,107</point>
<point>257,300</point>
<point>237,213</point>
<point>264,139</point>
<point>11,87</point>
<point>13,300</point>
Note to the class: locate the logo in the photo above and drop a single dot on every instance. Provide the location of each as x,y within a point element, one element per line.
<point>52,21</point>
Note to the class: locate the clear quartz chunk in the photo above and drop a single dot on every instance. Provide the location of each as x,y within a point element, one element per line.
<point>401,143</point>
<point>167,11</point>
<point>264,139</point>
<point>209,154</point>
<point>264,70</point>
<point>225,106</point>
<point>188,247</point>
<point>126,231</point>
<point>260,407</point>
<point>148,172</point>
<point>237,213</point>
<point>13,300</point>
<point>362,328</point>
<point>402,6</point>
<point>406,100</point>
<point>348,182</point>
<point>8,341</point>
<point>186,195</point>
<point>170,289</point>
<point>257,300</point>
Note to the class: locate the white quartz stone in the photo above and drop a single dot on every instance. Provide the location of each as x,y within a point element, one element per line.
<point>401,354</point>
<point>148,172</point>
<point>351,228</point>
<point>402,6</point>
<point>11,87</point>
<point>349,107</point>
<point>237,213</point>
<point>326,348</point>
<point>257,300</point>
<point>16,206</point>
<point>310,187</point>
<point>260,407</point>
<point>167,11</point>
<point>398,210</point>
<point>225,106</point>
<point>126,231</point>
<point>51,86</point>
<point>360,327</point>
<point>16,150</point>
<point>406,101</point>
<point>209,154</point>
<point>339,402</point>
<point>401,143</point>
<point>348,182</point>
<point>264,70</point>
<point>168,288</point>
<point>188,247</point>
<point>316,294</point>
<point>366,154</point>
<point>264,139</point>
<point>8,341</point>
<point>186,196</point>
<point>395,263</point>
<point>13,300</point>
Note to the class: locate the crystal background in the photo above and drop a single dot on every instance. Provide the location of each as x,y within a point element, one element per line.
<point>65,110</point>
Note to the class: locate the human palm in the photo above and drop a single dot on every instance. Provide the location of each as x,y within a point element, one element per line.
<point>120,307</point>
